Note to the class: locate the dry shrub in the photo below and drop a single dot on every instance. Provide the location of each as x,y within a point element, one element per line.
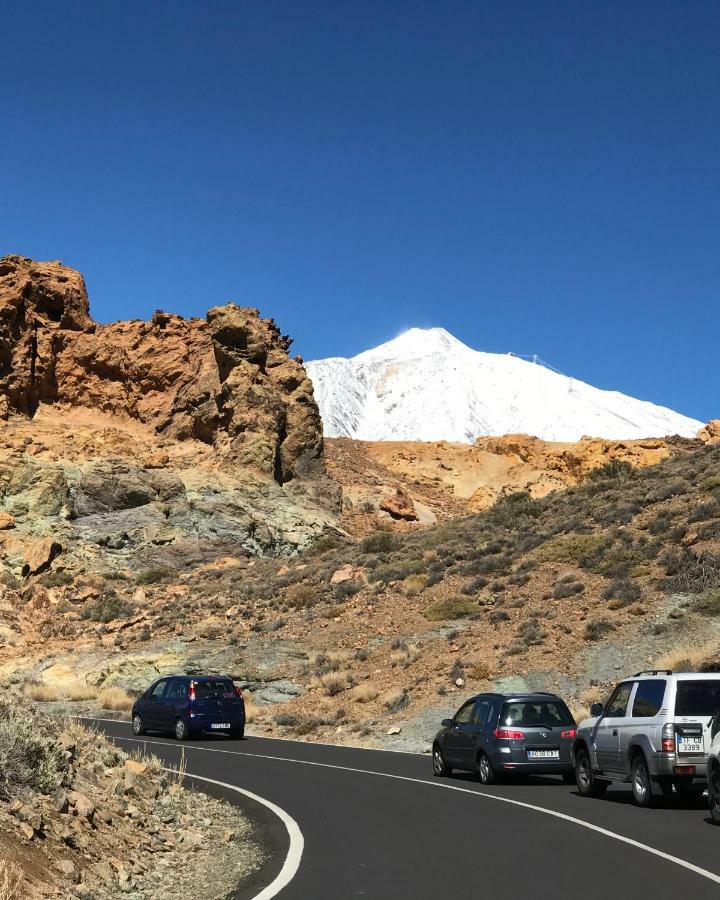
<point>334,683</point>
<point>251,708</point>
<point>30,756</point>
<point>405,655</point>
<point>395,700</point>
<point>689,657</point>
<point>365,693</point>
<point>571,548</point>
<point>415,584</point>
<point>43,692</point>
<point>301,595</point>
<point>450,608</point>
<point>10,878</point>
<point>479,670</point>
<point>116,698</point>
<point>579,711</point>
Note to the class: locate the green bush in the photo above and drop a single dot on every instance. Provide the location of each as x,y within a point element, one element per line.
<point>450,608</point>
<point>570,548</point>
<point>709,604</point>
<point>622,589</point>
<point>380,542</point>
<point>616,469</point>
<point>108,608</point>
<point>153,576</point>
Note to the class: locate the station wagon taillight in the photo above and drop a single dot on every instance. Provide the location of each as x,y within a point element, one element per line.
<point>191,691</point>
<point>509,734</point>
<point>238,691</point>
<point>668,738</point>
<point>568,735</point>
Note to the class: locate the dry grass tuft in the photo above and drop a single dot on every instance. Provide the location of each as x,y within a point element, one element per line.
<point>42,692</point>
<point>251,708</point>
<point>334,683</point>
<point>688,657</point>
<point>405,655</point>
<point>415,584</point>
<point>365,693</point>
<point>116,698</point>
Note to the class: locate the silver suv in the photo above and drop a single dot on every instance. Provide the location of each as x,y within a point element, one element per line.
<point>654,729</point>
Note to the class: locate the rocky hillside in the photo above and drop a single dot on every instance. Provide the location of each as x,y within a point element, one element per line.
<point>79,818</point>
<point>410,483</point>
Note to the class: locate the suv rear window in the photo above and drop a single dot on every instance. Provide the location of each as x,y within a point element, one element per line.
<point>206,690</point>
<point>529,713</point>
<point>648,698</point>
<point>697,698</point>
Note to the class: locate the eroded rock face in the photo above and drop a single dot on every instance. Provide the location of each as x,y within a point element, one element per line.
<point>227,380</point>
<point>710,434</point>
<point>149,444</point>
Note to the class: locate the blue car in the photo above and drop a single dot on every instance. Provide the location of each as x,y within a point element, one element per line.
<point>189,705</point>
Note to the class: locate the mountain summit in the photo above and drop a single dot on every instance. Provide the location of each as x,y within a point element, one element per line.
<point>427,385</point>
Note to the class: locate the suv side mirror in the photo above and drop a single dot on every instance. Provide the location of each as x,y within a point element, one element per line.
<point>447,723</point>
<point>596,710</point>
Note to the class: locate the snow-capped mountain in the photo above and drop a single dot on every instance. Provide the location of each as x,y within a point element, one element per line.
<point>426,385</point>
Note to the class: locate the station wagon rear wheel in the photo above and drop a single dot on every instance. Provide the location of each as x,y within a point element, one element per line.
<point>137,725</point>
<point>440,770</point>
<point>714,794</point>
<point>485,770</point>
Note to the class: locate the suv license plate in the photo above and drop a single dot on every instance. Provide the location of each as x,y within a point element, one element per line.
<point>222,725</point>
<point>543,754</point>
<point>690,745</point>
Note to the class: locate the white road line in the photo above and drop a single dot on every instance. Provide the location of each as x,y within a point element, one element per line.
<point>297,841</point>
<point>705,873</point>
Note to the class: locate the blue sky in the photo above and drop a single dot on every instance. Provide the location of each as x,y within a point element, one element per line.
<point>534,176</point>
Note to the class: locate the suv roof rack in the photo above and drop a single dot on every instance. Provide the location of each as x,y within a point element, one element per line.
<point>653,672</point>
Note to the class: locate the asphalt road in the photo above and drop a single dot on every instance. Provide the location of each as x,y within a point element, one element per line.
<point>415,836</point>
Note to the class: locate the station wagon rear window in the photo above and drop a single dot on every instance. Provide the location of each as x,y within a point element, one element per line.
<point>697,698</point>
<point>207,690</point>
<point>529,713</point>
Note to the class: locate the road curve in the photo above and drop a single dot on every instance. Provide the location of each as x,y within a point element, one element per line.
<point>378,825</point>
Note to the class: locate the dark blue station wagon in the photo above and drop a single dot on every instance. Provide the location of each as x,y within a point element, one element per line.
<point>188,705</point>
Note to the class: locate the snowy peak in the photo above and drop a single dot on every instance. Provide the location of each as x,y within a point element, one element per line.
<point>427,385</point>
<point>413,344</point>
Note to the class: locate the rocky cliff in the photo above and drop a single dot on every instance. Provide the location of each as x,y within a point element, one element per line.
<point>149,442</point>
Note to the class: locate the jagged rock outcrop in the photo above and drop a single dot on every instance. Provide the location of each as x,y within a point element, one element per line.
<point>149,444</point>
<point>226,380</point>
<point>710,434</point>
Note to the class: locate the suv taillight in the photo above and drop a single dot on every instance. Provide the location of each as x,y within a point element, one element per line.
<point>238,691</point>
<point>568,735</point>
<point>191,691</point>
<point>508,734</point>
<point>668,738</point>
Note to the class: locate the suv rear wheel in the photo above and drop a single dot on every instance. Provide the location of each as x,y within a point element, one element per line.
<point>714,794</point>
<point>137,725</point>
<point>587,783</point>
<point>640,781</point>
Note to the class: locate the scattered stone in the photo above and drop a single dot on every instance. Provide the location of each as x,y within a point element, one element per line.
<point>6,521</point>
<point>394,729</point>
<point>399,506</point>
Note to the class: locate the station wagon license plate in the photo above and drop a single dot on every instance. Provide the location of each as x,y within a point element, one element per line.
<point>543,754</point>
<point>220,725</point>
<point>691,744</point>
